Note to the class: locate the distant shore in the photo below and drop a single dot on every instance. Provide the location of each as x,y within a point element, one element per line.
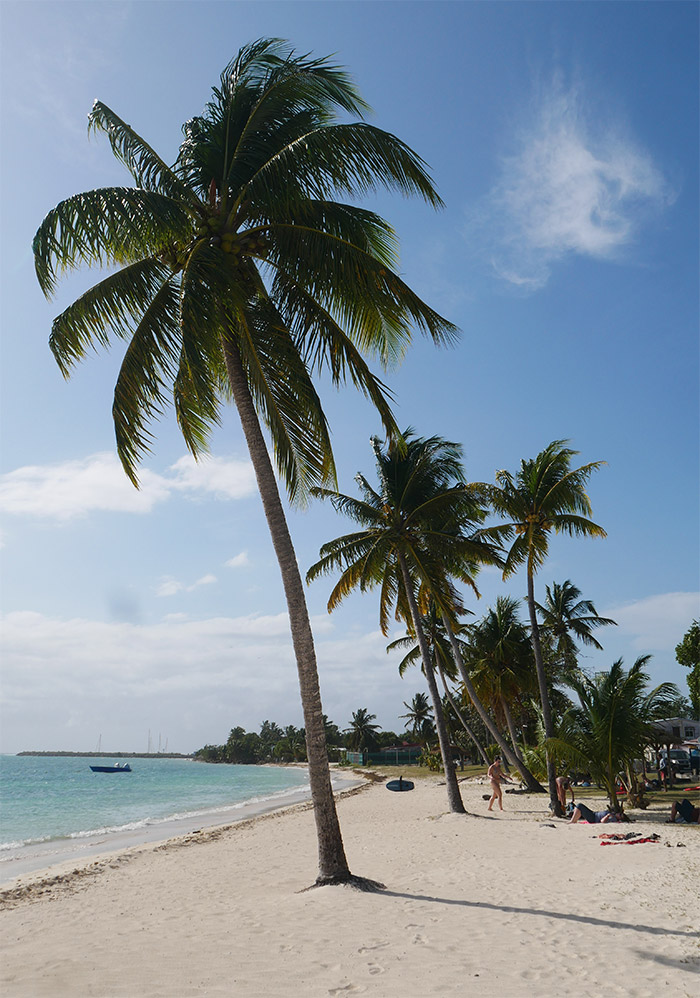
<point>109,755</point>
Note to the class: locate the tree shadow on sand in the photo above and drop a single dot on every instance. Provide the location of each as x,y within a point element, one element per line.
<point>566,916</point>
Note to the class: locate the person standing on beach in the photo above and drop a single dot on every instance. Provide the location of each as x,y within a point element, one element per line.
<point>564,784</point>
<point>496,776</point>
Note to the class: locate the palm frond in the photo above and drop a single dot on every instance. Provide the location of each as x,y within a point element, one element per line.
<point>112,225</point>
<point>146,373</point>
<point>113,305</point>
<point>142,162</point>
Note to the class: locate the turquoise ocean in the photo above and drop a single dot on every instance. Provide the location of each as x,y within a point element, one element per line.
<point>54,808</point>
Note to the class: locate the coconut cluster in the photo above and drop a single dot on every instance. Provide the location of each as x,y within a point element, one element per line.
<point>222,237</point>
<point>215,230</point>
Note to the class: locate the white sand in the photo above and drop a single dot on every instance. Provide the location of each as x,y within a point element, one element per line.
<point>481,905</point>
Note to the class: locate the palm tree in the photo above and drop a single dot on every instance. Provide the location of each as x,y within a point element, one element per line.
<point>613,723</point>
<point>240,276</point>
<point>419,718</point>
<point>564,614</point>
<point>362,734</point>
<point>545,495</point>
<point>407,524</point>
<point>499,658</point>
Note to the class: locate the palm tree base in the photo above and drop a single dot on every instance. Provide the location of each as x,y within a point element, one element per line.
<point>348,880</point>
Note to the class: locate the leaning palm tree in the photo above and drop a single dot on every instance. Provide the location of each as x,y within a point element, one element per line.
<point>406,522</point>
<point>443,662</point>
<point>564,617</point>
<point>362,733</point>
<point>613,722</point>
<point>546,494</point>
<point>239,275</point>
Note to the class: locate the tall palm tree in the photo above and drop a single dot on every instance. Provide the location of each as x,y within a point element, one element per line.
<point>362,734</point>
<point>240,276</point>
<point>406,524</point>
<point>613,722</point>
<point>546,494</point>
<point>565,617</point>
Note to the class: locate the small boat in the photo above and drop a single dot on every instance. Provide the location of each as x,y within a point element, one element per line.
<point>118,767</point>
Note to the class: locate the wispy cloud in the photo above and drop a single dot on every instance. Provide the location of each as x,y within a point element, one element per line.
<point>575,185</point>
<point>657,623</point>
<point>170,586</point>
<point>98,483</point>
<point>239,561</point>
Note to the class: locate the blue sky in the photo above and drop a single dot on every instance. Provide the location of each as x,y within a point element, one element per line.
<point>563,139</point>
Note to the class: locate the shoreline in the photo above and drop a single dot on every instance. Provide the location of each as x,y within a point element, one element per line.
<point>496,905</point>
<point>44,860</point>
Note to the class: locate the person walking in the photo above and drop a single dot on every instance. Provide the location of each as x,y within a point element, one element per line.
<point>496,776</point>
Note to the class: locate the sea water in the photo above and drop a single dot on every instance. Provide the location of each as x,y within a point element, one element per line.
<point>54,808</point>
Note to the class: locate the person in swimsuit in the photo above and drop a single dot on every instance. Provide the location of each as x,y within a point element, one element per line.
<point>564,784</point>
<point>496,775</point>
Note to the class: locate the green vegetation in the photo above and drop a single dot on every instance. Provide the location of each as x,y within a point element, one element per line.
<point>688,655</point>
<point>612,725</point>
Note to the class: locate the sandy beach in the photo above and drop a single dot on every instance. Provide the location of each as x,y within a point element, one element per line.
<point>509,904</point>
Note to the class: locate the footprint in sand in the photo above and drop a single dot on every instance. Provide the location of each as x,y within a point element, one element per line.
<point>368,949</point>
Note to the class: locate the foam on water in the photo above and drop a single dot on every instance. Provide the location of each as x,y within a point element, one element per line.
<point>57,799</point>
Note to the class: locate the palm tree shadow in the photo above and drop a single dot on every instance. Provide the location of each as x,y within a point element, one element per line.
<point>566,916</point>
<point>688,965</point>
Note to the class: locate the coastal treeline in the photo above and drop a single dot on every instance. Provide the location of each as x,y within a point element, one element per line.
<point>273,743</point>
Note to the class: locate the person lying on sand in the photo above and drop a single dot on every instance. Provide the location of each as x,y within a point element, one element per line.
<point>583,813</point>
<point>683,811</point>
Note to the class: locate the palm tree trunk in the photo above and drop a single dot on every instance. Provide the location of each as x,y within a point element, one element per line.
<point>554,802</point>
<point>332,863</point>
<point>530,782</point>
<point>511,730</point>
<point>462,720</point>
<point>453,795</point>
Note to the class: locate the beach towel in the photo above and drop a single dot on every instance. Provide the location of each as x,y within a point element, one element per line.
<point>629,842</point>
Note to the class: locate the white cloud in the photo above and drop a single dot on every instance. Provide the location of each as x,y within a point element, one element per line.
<point>575,185</point>
<point>170,586</point>
<point>66,681</point>
<point>657,623</point>
<point>73,488</point>
<point>98,483</point>
<point>238,561</point>
<point>227,479</point>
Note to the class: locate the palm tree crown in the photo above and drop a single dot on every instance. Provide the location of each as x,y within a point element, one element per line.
<point>545,495</point>
<point>362,733</point>
<point>241,243</point>
<point>564,614</point>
